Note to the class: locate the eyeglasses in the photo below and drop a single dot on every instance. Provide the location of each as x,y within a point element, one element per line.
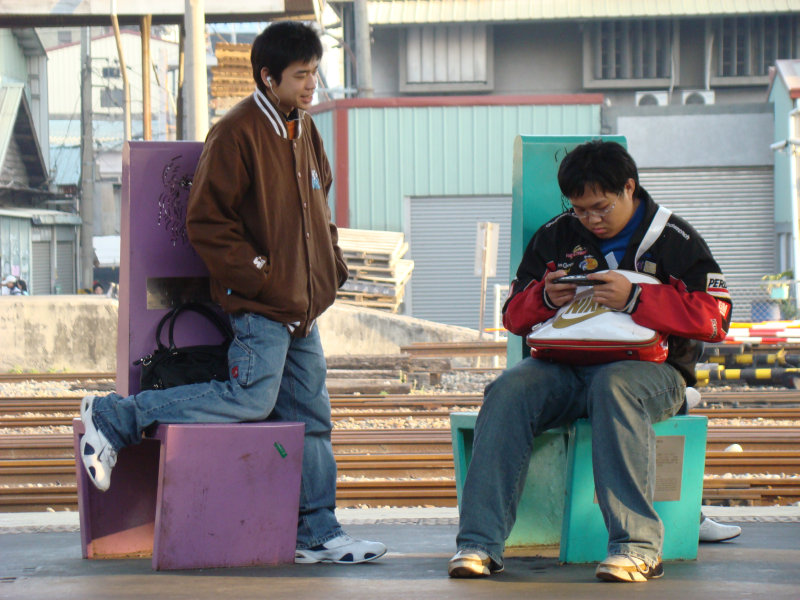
<point>585,214</point>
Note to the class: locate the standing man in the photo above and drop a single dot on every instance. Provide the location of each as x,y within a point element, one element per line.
<point>258,216</point>
<point>608,217</point>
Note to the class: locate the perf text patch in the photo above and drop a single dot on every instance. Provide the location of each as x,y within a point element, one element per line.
<point>717,286</point>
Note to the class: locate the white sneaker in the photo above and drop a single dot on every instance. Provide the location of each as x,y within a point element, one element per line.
<point>97,453</point>
<point>711,531</point>
<point>472,563</point>
<point>628,569</point>
<point>342,549</point>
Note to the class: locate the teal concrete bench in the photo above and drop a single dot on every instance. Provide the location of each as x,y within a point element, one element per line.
<point>557,506</point>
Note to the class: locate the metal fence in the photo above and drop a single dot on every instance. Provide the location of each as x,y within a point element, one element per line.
<point>755,301</point>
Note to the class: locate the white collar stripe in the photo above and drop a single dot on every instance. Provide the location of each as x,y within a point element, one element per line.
<point>272,115</point>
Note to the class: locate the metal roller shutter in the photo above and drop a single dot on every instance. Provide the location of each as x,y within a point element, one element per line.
<point>441,238</point>
<point>65,266</point>
<point>732,208</point>
<point>40,268</point>
<point>734,212</point>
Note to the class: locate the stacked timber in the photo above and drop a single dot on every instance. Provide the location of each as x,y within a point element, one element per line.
<point>378,273</point>
<point>232,78</point>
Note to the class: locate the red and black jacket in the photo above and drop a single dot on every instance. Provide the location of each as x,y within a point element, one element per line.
<point>691,304</point>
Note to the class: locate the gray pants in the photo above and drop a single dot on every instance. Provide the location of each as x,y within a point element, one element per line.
<point>622,400</point>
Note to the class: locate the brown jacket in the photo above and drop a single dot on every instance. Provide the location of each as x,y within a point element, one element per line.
<point>258,216</point>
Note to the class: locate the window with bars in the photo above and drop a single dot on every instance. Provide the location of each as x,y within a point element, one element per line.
<point>631,50</point>
<point>748,46</point>
<point>447,58</point>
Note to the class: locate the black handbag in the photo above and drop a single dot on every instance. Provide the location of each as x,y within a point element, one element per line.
<point>172,366</point>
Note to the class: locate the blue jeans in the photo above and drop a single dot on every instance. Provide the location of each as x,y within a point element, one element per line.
<point>622,400</point>
<point>273,377</point>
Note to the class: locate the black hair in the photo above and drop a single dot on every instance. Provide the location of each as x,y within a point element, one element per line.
<point>281,44</point>
<point>606,166</point>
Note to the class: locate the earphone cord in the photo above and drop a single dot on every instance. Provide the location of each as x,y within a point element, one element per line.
<point>277,100</point>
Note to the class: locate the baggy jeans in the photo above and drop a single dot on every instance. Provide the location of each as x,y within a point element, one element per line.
<point>622,400</point>
<point>273,376</point>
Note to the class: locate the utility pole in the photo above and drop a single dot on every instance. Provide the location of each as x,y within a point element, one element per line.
<point>180,112</point>
<point>363,50</point>
<point>126,88</point>
<point>147,125</point>
<point>195,96</point>
<point>86,261</point>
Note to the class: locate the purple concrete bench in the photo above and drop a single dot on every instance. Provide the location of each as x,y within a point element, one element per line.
<point>198,496</point>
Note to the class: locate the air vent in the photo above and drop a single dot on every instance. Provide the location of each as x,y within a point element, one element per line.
<point>697,97</point>
<point>655,98</point>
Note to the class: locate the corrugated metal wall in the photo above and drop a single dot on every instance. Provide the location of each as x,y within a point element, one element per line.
<point>42,268</point>
<point>395,153</point>
<point>444,287</point>
<point>733,210</point>
<point>65,267</point>
<point>324,123</point>
<point>433,173</point>
<point>15,247</point>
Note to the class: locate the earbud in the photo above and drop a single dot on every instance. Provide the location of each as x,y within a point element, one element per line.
<point>269,85</point>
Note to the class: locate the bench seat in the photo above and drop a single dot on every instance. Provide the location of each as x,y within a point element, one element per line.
<point>197,496</point>
<point>558,505</point>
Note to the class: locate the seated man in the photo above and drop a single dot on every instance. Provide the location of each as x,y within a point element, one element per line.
<point>602,229</point>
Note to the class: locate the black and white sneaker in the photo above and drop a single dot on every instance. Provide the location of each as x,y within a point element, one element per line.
<point>97,453</point>
<point>622,567</point>
<point>343,550</point>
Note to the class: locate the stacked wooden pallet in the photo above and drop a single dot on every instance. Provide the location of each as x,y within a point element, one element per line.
<point>232,78</point>
<point>378,273</point>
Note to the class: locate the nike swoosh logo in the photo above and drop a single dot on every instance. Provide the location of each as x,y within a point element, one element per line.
<point>567,320</point>
<point>580,310</point>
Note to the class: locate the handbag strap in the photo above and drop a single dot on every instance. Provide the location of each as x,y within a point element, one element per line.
<point>198,308</point>
<point>653,232</point>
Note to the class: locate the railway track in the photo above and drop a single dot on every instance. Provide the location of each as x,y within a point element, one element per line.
<point>719,405</point>
<point>57,417</point>
<point>414,466</point>
<point>404,467</point>
<point>429,465</point>
<point>17,377</point>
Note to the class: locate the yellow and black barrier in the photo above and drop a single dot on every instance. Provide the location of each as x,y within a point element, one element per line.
<point>776,376</point>
<point>751,359</point>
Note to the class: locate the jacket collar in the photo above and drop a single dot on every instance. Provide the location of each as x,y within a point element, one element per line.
<point>275,117</point>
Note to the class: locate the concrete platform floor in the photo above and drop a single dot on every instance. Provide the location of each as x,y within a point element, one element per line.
<point>40,557</point>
